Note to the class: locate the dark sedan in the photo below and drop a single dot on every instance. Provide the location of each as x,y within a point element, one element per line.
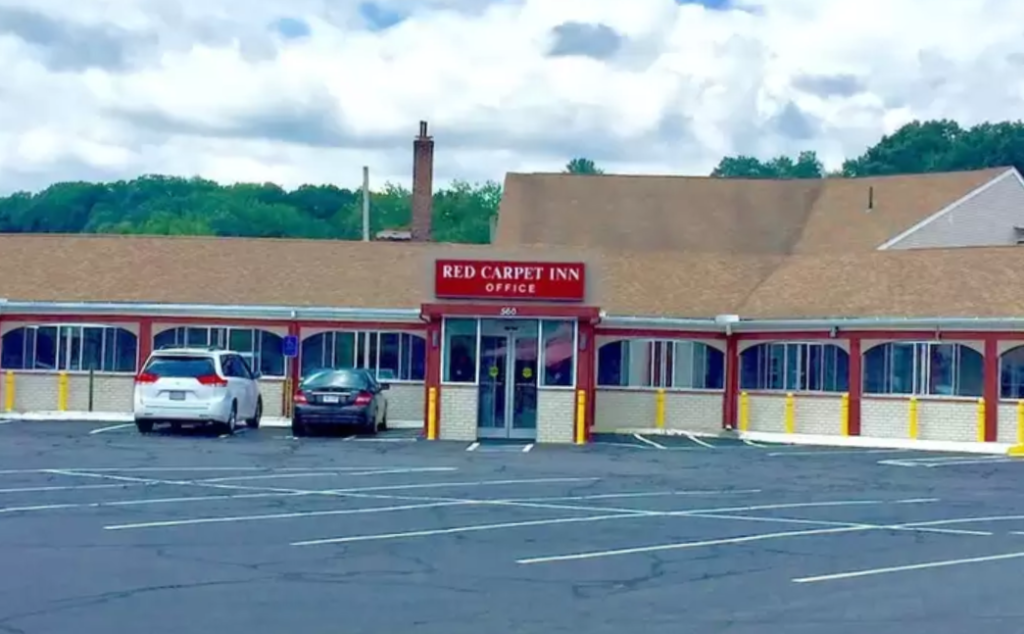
<point>340,397</point>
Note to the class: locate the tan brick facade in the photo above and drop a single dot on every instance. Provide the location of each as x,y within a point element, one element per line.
<point>406,402</point>
<point>633,408</point>
<point>458,412</point>
<point>813,414</point>
<point>556,415</point>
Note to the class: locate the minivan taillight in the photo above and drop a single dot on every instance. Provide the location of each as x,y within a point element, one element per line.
<point>146,377</point>
<point>300,397</point>
<point>212,380</point>
<point>363,398</point>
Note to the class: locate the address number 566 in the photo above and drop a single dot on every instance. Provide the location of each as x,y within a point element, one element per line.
<point>508,311</point>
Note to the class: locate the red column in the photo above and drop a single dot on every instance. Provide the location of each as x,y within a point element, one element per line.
<point>856,381</point>
<point>991,390</point>
<point>294,367</point>
<point>730,403</point>
<point>586,368</point>
<point>145,341</point>
<point>432,379</point>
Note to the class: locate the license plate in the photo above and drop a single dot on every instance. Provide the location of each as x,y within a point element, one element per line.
<point>331,399</point>
<point>177,396</point>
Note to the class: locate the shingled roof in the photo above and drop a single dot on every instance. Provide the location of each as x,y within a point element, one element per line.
<point>965,282</point>
<point>719,215</point>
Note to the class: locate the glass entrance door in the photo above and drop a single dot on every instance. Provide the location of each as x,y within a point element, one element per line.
<point>507,403</point>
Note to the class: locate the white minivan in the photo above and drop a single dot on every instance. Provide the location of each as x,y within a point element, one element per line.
<point>197,385</point>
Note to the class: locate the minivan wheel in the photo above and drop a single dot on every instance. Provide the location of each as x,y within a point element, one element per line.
<point>232,423</point>
<point>254,422</point>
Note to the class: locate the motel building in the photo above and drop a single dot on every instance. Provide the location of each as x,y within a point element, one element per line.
<point>886,308</point>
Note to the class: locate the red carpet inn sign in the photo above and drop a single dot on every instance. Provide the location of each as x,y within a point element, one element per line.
<point>513,363</point>
<point>510,280</point>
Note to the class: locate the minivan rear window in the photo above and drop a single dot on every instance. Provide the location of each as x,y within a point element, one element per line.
<point>180,367</point>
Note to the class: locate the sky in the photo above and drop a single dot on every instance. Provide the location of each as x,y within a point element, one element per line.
<point>309,91</point>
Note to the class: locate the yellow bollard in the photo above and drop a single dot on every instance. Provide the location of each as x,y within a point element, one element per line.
<point>9,391</point>
<point>432,414</point>
<point>62,392</point>
<point>1020,423</point>
<point>790,413</point>
<point>845,413</point>
<point>581,417</point>
<point>659,409</point>
<point>744,411</point>
<point>981,420</point>
<point>913,422</point>
<point>287,398</point>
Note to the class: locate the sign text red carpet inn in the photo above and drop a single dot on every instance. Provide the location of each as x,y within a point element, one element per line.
<point>482,279</point>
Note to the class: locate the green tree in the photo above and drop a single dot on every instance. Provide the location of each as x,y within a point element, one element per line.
<point>806,165</point>
<point>581,165</point>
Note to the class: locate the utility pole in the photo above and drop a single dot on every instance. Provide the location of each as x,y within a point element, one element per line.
<point>366,203</point>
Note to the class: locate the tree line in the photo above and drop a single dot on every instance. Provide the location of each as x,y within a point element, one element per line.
<point>168,205</point>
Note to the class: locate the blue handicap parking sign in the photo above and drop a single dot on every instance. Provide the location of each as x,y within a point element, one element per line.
<point>290,346</point>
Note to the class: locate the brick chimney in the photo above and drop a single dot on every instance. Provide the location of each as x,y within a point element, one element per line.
<point>422,184</point>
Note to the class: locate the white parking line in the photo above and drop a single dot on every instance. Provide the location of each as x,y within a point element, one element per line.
<point>111,428</point>
<point>312,474</point>
<point>78,487</point>
<point>699,441</point>
<point>457,529</point>
<point>640,494</point>
<point>648,441</point>
<point>923,566</point>
<point>697,544</point>
<point>841,452</point>
<point>473,447</point>
<point>527,448</point>
<point>278,516</point>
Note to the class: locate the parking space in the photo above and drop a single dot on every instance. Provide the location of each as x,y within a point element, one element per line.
<point>268,533</point>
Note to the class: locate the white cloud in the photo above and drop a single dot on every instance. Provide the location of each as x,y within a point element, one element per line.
<point>109,88</point>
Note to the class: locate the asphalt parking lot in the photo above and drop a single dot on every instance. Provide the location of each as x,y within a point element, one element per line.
<point>263,533</point>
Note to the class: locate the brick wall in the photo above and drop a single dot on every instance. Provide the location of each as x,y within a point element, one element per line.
<point>937,419</point>
<point>813,414</point>
<point>406,402</point>
<point>693,411</point>
<point>458,412</point>
<point>35,392</point>
<point>884,417</point>
<point>110,393</point>
<point>767,412</point>
<point>697,411</point>
<point>1007,424</point>
<point>556,415</point>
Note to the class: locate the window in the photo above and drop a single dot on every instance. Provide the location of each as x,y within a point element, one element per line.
<point>559,349</point>
<point>660,363</point>
<point>943,369</point>
<point>391,356</point>
<point>71,348</point>
<point>460,354</point>
<point>795,367</point>
<point>259,348</point>
<point>1011,374</point>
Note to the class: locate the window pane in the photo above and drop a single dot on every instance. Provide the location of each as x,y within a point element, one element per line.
<point>460,350</point>
<point>169,338</point>
<point>612,359</point>
<point>109,348</point>
<point>127,351</point>
<point>92,348</point>
<point>241,340</point>
<point>312,355</point>
<point>197,337</point>
<point>12,349</point>
<point>942,370</point>
<point>752,363</point>
<point>1011,374</point>
<point>687,365</point>
<point>344,351</point>
<point>812,368</point>
<point>271,357</point>
<point>777,369</point>
<point>714,370</point>
<point>46,348</point>
<point>388,363</point>
<point>970,372</point>
<point>904,374</point>
<point>876,370</point>
<point>838,369</point>
<point>414,358</point>
<point>559,352</point>
<point>180,367</point>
